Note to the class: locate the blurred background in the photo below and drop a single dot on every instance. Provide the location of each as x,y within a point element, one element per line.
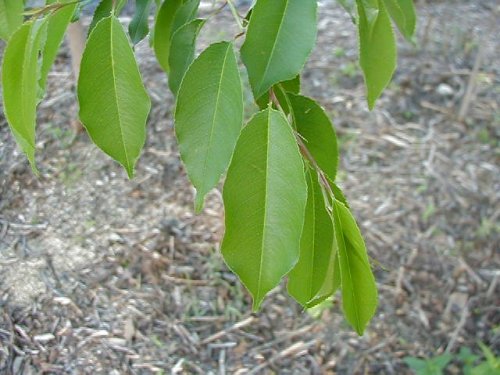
<point>103,275</point>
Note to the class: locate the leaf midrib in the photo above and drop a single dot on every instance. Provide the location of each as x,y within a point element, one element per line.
<point>24,87</point>
<point>266,170</point>
<point>115,91</point>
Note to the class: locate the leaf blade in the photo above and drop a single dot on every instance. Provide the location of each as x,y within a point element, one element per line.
<point>114,104</point>
<point>359,291</point>
<point>315,127</point>
<point>317,249</point>
<point>183,46</point>
<point>262,239</point>
<point>56,28</point>
<point>138,27</point>
<point>172,15</point>
<point>403,14</point>
<point>209,116</point>
<point>11,17</point>
<point>281,35</point>
<point>20,74</point>
<point>377,48</point>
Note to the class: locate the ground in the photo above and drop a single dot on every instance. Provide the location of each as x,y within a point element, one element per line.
<point>104,275</point>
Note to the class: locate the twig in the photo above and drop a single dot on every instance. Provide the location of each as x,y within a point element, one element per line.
<point>224,332</point>
<point>292,350</point>
<point>470,93</point>
<point>179,280</point>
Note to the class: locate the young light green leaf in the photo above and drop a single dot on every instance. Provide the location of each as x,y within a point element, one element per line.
<point>317,246</point>
<point>20,74</point>
<point>139,27</point>
<point>56,28</point>
<point>280,37</point>
<point>403,14</point>
<point>377,48</point>
<point>182,52</point>
<point>114,104</point>
<point>332,281</point>
<point>264,197</point>
<point>209,116</point>
<point>11,17</point>
<point>359,292</point>
<point>171,16</point>
<point>317,131</point>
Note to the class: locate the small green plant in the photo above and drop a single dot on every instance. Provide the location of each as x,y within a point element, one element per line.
<point>470,363</point>
<point>431,366</point>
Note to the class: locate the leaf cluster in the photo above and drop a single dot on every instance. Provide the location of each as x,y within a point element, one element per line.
<point>284,213</point>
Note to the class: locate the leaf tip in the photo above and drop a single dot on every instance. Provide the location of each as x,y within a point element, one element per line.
<point>130,171</point>
<point>199,202</point>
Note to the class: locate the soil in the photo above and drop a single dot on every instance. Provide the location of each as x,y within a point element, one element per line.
<point>102,275</point>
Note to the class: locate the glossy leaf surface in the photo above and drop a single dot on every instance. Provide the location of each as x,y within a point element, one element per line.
<point>264,197</point>
<point>280,91</point>
<point>11,17</point>
<point>317,246</point>
<point>114,105</point>
<point>171,16</point>
<point>182,54</point>
<point>403,14</point>
<point>377,47</point>
<point>359,292</point>
<point>280,37</point>
<point>56,28</point>
<point>104,10</point>
<point>139,27</point>
<point>20,74</point>
<point>317,132</point>
<point>209,116</point>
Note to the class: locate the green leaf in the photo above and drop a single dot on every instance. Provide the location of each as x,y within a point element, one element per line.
<point>163,31</point>
<point>350,7</point>
<point>114,104</point>
<point>209,116</point>
<point>264,197</point>
<point>280,37</point>
<point>280,90</point>
<point>317,131</point>
<point>377,48</point>
<point>492,362</point>
<point>171,16</point>
<point>182,52</point>
<point>139,27</point>
<point>332,281</point>
<point>103,10</point>
<point>317,246</point>
<point>186,13</point>
<point>20,74</point>
<point>11,17</point>
<point>359,292</point>
<point>403,14</point>
<point>339,194</point>
<point>56,28</point>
